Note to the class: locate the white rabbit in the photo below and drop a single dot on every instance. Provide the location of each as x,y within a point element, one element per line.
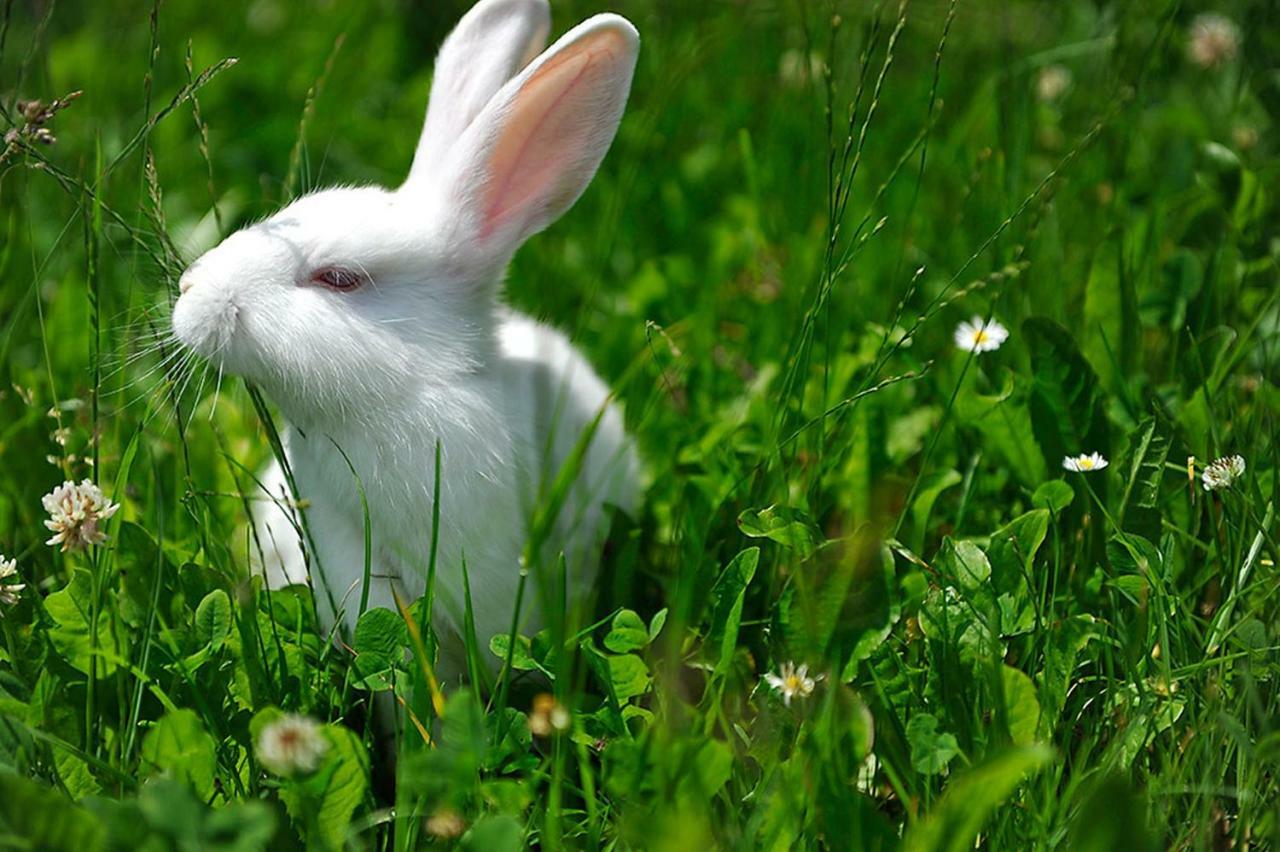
<point>372,318</point>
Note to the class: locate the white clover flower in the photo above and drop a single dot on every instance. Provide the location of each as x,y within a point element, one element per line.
<point>292,745</point>
<point>1215,40</point>
<point>979,335</point>
<point>76,513</point>
<point>1085,462</point>
<point>548,716</point>
<point>792,681</point>
<point>9,591</point>
<point>1052,81</point>
<point>446,824</point>
<point>1222,473</point>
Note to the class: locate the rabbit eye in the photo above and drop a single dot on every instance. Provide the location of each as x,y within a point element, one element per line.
<point>337,278</point>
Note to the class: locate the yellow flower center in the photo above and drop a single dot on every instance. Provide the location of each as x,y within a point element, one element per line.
<point>1086,464</point>
<point>792,683</point>
<point>980,336</point>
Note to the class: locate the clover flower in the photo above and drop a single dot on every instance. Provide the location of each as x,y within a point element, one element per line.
<point>446,824</point>
<point>979,335</point>
<point>1214,41</point>
<point>76,513</point>
<point>292,745</point>
<point>9,591</point>
<point>1222,473</point>
<point>1051,82</point>
<point>548,716</point>
<point>791,681</point>
<point>1085,462</point>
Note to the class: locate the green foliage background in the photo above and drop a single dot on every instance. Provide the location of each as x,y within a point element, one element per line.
<point>804,199</point>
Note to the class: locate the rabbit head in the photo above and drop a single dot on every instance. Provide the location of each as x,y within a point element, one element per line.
<point>349,299</point>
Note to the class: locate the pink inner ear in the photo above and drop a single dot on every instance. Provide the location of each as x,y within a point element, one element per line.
<point>551,142</point>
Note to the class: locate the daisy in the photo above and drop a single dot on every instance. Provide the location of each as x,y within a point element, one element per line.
<point>791,681</point>
<point>1222,473</point>
<point>1085,462</point>
<point>9,591</point>
<point>76,513</point>
<point>979,335</point>
<point>292,745</point>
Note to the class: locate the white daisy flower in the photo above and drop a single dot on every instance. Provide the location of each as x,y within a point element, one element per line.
<point>979,335</point>
<point>1214,40</point>
<point>792,681</point>
<point>1222,473</point>
<point>1085,462</point>
<point>76,513</point>
<point>9,591</point>
<point>292,745</point>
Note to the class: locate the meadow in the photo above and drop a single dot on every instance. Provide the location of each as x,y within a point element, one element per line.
<point>864,275</point>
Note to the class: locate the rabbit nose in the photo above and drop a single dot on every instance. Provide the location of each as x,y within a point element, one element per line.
<point>187,281</point>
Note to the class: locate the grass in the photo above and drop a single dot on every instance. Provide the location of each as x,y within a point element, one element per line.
<point>803,202</point>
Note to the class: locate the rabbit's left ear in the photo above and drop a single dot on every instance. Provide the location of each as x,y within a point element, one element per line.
<point>487,47</point>
<point>533,149</point>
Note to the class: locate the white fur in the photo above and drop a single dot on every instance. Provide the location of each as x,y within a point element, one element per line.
<point>425,353</point>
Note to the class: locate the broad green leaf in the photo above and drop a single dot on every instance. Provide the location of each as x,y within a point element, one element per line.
<point>931,749</point>
<point>1133,554</point>
<point>380,633</point>
<point>463,737</point>
<point>1148,451</point>
<point>1113,816</point>
<point>1111,326</point>
<point>508,739</point>
<point>954,822</point>
<point>75,774</point>
<point>968,622</point>
<point>1062,651</point>
<point>629,674</point>
<point>726,614</point>
<point>628,633</point>
<point>1022,707</point>
<point>42,818</point>
<point>1012,550</point>
<point>1053,496</point>
<point>656,623</point>
<point>789,527</point>
<point>494,834</point>
<point>1002,422</point>
<point>521,658</point>
<point>180,747</point>
<point>379,642</point>
<point>710,766</point>
<point>598,662</point>
<point>1068,412</point>
<point>71,609</point>
<point>968,564</point>
<point>926,496</point>
<point>879,607</point>
<point>334,791</point>
<point>213,620</point>
<point>144,567</point>
<point>346,787</point>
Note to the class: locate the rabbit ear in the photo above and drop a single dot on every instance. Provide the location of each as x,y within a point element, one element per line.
<point>534,148</point>
<point>488,46</point>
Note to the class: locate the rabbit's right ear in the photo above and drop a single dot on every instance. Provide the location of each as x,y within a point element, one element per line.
<point>487,48</point>
<point>532,151</point>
